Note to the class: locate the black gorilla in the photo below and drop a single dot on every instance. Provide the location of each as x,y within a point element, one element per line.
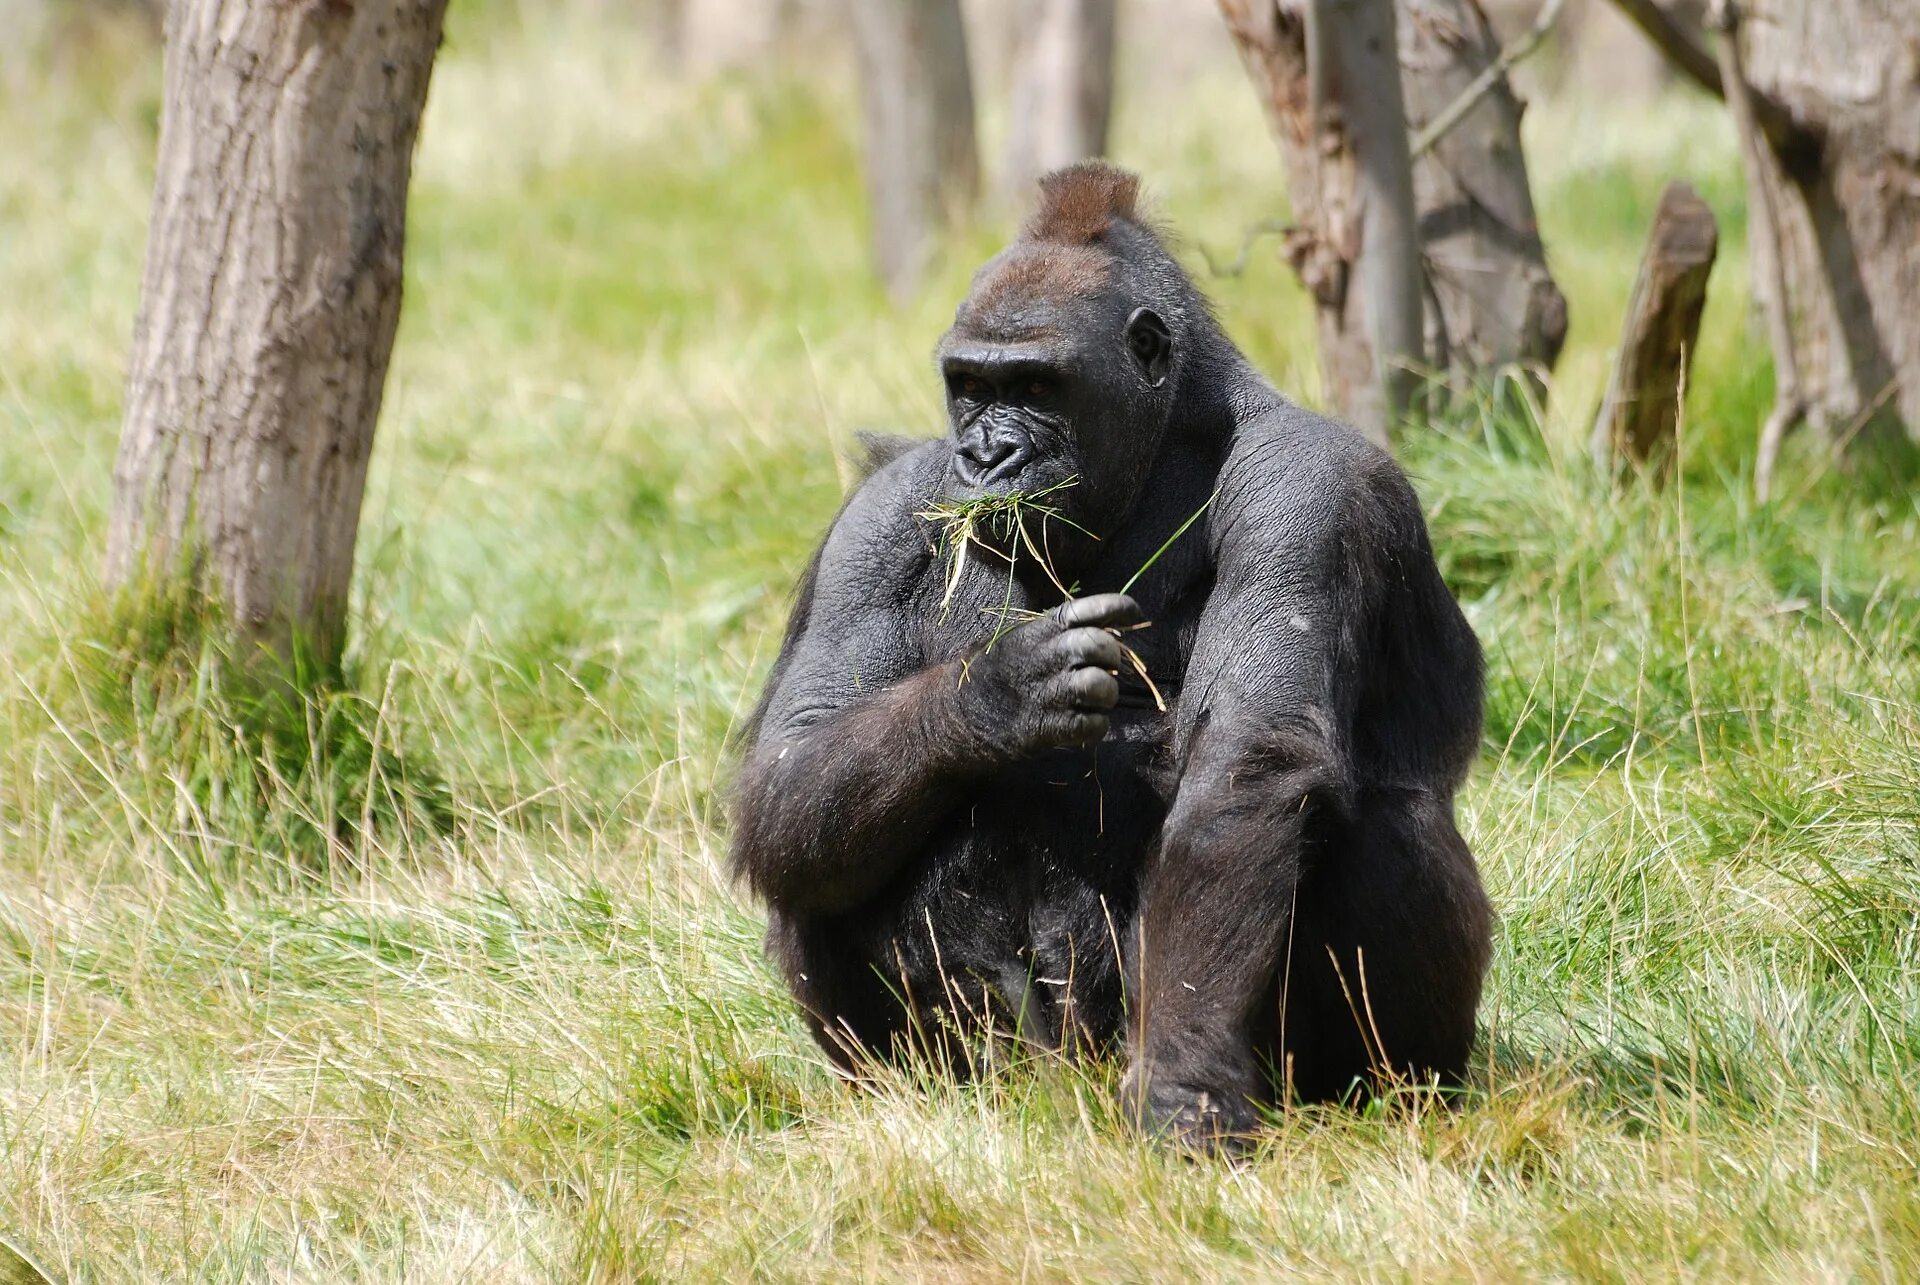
<point>964,809</point>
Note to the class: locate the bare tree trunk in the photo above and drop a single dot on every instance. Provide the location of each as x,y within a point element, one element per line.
<point>1492,301</point>
<point>1641,410</point>
<point>1851,223</point>
<point>268,309</point>
<point>665,22</point>
<point>1329,79</point>
<point>1062,89</point>
<point>923,170</point>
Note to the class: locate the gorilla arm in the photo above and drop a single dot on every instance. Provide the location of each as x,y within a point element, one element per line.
<point>863,748</point>
<point>1260,739</point>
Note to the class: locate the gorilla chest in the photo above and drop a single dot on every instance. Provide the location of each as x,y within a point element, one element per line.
<point>1026,895</point>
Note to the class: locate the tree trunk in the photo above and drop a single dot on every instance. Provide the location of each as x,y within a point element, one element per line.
<point>1329,79</point>
<point>1492,302</point>
<point>665,22</point>
<point>268,308</point>
<point>1062,89</point>
<point>1850,249</point>
<point>923,171</point>
<point>1641,410</point>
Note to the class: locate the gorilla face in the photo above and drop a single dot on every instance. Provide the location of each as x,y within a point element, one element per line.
<point>1063,396</point>
<point>1012,411</point>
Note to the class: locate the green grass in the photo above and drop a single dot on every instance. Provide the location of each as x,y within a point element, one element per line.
<point>512,1022</point>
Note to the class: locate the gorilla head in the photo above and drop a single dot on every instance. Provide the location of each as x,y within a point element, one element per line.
<point>1064,361</point>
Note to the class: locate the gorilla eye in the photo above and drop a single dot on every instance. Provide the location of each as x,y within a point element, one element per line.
<point>972,387</point>
<point>1039,387</point>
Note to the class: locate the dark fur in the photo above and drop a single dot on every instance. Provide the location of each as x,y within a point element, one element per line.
<point>963,839</point>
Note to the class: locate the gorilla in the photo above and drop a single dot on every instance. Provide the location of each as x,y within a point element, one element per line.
<point>988,797</point>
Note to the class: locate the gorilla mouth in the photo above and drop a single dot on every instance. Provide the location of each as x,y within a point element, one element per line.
<point>1022,473</point>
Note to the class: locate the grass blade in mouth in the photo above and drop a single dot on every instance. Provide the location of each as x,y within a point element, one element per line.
<point>961,521</point>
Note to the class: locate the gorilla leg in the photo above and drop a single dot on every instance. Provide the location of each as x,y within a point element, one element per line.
<point>936,973</point>
<point>1390,943</point>
<point>849,1010</point>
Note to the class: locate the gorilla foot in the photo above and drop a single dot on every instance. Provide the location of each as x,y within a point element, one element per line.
<point>1207,1122</point>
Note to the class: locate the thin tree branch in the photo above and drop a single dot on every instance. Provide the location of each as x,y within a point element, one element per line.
<point>1764,234</point>
<point>1673,41</point>
<point>1494,72</point>
<point>1795,142</point>
<point>1238,265</point>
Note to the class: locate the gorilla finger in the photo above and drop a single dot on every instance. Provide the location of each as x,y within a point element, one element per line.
<point>1092,690</point>
<point>1109,610</point>
<point>1089,646</point>
<point>1085,729</point>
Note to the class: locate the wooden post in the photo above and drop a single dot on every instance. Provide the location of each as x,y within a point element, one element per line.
<point>1640,412</point>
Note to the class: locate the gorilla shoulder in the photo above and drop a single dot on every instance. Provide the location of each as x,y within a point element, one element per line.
<point>876,541</point>
<point>1295,479</point>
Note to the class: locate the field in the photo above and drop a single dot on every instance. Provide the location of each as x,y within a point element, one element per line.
<point>450,984</point>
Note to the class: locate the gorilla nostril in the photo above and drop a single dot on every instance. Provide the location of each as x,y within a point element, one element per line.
<point>979,461</point>
<point>1009,460</point>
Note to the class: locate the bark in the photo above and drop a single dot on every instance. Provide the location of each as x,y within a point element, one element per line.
<point>1062,89</point>
<point>923,169</point>
<point>1673,26</point>
<point>1640,412</point>
<point>1850,234</point>
<point>268,306</point>
<point>1492,301</point>
<point>1329,80</point>
<point>1675,35</point>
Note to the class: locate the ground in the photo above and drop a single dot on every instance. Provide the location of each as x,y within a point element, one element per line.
<point>450,984</point>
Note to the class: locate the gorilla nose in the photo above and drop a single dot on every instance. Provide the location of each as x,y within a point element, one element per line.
<point>978,462</point>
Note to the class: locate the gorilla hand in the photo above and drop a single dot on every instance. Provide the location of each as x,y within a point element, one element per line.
<point>1050,681</point>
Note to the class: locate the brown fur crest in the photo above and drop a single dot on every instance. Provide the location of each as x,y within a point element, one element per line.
<point>1077,202</point>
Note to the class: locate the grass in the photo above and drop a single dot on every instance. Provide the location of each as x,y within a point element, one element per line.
<point>1003,519</point>
<point>997,524</point>
<point>517,1026</point>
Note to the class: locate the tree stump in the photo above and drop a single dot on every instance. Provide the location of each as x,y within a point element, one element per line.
<point>1640,412</point>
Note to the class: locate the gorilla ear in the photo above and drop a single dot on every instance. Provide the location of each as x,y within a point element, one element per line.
<point>1151,344</point>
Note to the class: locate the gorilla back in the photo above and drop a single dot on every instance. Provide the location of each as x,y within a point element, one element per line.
<point>970,819</point>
